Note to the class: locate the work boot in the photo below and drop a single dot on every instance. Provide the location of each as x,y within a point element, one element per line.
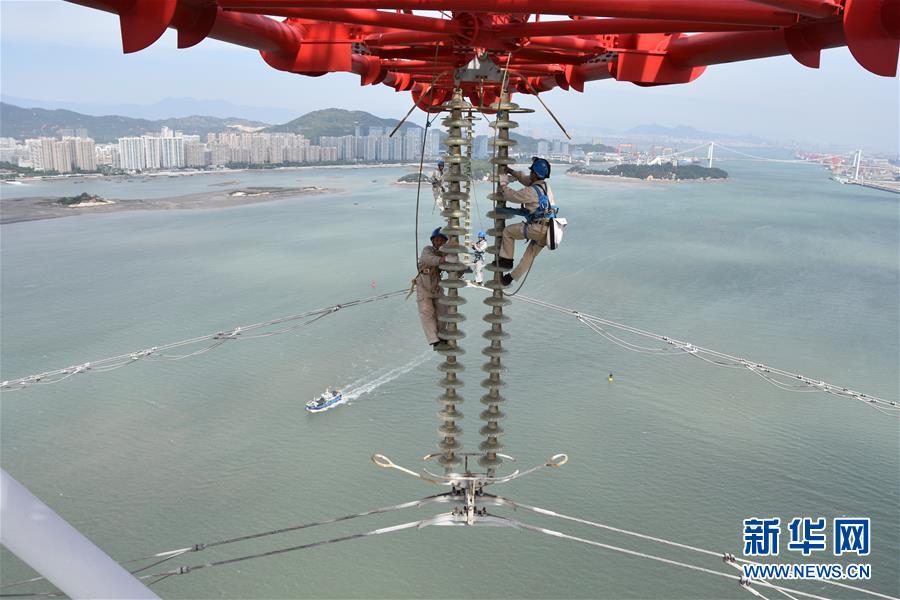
<point>506,279</point>
<point>503,263</point>
<point>441,345</point>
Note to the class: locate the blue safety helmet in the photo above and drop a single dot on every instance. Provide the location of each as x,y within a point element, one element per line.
<point>440,162</point>
<point>438,233</point>
<point>482,234</point>
<point>540,167</point>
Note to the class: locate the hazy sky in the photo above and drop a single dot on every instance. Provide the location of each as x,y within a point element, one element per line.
<point>52,50</point>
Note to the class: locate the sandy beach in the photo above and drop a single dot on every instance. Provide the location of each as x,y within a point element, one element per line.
<point>16,210</point>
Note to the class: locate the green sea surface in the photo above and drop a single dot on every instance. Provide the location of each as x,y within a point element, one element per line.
<point>778,264</point>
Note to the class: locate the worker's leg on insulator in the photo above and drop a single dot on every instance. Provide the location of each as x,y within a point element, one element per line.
<point>428,312</point>
<point>438,197</point>
<point>479,271</point>
<point>537,234</point>
<point>511,233</point>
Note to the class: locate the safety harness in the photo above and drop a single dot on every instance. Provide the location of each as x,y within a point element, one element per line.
<point>434,271</point>
<point>545,209</point>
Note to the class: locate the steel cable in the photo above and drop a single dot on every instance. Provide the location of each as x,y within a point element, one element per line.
<point>157,352</point>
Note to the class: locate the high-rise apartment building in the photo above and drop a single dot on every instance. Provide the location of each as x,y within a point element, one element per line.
<point>171,152</point>
<point>348,148</point>
<point>151,152</point>
<point>131,153</point>
<point>62,156</point>
<point>85,154</point>
<point>412,143</point>
<point>371,154</point>
<point>194,151</point>
<point>480,149</point>
<point>396,147</point>
<point>433,144</point>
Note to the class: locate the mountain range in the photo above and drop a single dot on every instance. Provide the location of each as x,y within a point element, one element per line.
<point>166,108</point>
<point>336,122</point>
<point>21,123</point>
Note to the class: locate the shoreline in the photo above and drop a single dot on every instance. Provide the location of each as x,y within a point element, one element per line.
<point>21,210</point>
<point>224,171</point>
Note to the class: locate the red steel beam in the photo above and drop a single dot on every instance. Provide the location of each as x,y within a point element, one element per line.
<point>717,48</point>
<point>443,53</point>
<point>251,31</point>
<point>541,56</point>
<point>807,8</point>
<point>567,43</point>
<point>256,32</point>
<point>348,15</point>
<point>112,6</point>
<point>741,12</point>
<point>611,26</point>
<point>405,38</point>
<point>415,64</point>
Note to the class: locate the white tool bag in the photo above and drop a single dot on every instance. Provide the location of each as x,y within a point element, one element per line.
<point>555,233</point>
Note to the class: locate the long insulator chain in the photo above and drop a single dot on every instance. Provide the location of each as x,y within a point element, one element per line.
<point>495,335</point>
<point>454,200</point>
<point>470,175</point>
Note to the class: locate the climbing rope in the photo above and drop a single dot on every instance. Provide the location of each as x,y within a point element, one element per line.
<point>524,279</point>
<point>428,121</point>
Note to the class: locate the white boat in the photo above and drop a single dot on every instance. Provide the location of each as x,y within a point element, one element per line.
<point>328,399</point>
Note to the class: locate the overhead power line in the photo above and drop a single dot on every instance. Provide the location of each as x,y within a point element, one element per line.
<point>214,341</point>
<point>785,380</point>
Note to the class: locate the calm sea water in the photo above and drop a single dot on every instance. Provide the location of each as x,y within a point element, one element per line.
<point>779,265</point>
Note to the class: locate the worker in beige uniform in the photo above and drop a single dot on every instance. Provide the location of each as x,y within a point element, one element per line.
<point>428,290</point>
<point>437,185</point>
<point>538,207</point>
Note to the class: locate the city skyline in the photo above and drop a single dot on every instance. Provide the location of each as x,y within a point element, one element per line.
<point>172,149</point>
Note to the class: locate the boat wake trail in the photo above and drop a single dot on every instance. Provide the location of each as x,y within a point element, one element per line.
<point>355,389</point>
